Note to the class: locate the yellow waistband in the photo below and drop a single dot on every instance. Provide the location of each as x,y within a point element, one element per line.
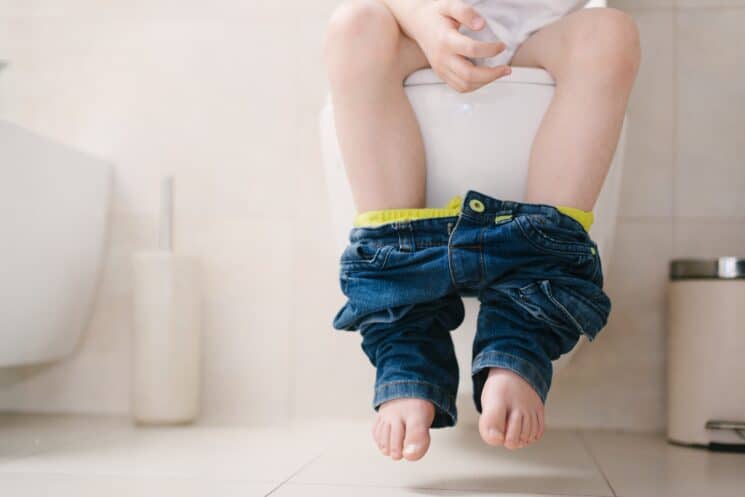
<point>585,218</point>
<point>452,208</point>
<point>375,218</point>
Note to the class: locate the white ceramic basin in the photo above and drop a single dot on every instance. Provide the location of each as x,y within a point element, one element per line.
<point>53,215</point>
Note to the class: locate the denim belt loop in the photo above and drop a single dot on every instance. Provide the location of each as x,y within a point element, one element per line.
<point>406,242</point>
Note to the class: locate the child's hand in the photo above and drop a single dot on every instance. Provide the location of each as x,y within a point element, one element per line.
<point>435,28</point>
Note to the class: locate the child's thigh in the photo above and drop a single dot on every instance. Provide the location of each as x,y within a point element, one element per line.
<point>587,30</point>
<point>367,32</point>
<point>411,56</point>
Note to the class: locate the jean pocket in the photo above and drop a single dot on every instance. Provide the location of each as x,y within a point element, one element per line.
<point>365,255</point>
<point>566,308</point>
<point>547,235</point>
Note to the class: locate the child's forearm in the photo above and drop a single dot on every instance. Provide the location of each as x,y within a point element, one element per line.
<point>406,13</point>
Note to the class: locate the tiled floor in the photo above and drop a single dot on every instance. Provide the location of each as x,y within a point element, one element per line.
<point>93,456</point>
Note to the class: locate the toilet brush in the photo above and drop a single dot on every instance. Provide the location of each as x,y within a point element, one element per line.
<point>166,325</point>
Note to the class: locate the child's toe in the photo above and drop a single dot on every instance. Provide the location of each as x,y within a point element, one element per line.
<point>384,436</point>
<point>536,428</point>
<point>396,439</point>
<point>514,428</point>
<point>541,424</point>
<point>416,441</point>
<point>375,429</point>
<point>492,424</point>
<point>527,430</point>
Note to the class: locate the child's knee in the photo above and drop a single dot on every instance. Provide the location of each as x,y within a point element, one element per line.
<point>361,34</point>
<point>606,40</point>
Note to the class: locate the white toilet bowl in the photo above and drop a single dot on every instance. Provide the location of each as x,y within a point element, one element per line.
<point>54,204</point>
<point>478,141</point>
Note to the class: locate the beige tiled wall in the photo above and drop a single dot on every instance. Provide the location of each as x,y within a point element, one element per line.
<point>682,197</point>
<point>226,95</point>
<point>214,93</point>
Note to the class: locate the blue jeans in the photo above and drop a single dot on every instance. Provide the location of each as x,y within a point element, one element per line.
<point>535,271</point>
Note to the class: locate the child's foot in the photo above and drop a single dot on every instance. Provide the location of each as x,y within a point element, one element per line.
<point>512,412</point>
<point>402,428</point>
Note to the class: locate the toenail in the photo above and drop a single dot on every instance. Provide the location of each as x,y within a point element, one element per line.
<point>495,433</point>
<point>411,449</point>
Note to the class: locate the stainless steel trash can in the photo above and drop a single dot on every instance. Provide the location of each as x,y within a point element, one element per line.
<point>706,353</point>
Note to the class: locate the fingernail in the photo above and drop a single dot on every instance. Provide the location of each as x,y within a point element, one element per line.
<point>411,449</point>
<point>477,22</point>
<point>495,433</point>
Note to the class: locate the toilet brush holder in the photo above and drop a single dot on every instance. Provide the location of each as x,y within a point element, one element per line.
<point>166,345</point>
<point>166,323</point>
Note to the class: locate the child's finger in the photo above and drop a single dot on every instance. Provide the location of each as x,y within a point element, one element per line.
<point>476,76</point>
<point>463,13</point>
<point>454,81</point>
<point>465,45</point>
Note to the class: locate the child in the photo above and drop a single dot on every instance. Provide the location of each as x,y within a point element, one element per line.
<point>532,264</point>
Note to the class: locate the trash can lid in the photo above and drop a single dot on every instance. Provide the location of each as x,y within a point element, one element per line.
<point>722,268</point>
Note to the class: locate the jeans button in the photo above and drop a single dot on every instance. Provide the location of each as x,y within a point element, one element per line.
<point>476,205</point>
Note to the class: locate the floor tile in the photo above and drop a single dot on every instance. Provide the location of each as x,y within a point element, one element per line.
<point>293,490</point>
<point>647,466</point>
<point>43,485</point>
<point>22,434</point>
<point>258,455</point>
<point>458,460</point>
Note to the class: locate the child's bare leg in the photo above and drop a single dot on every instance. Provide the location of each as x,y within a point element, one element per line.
<point>593,55</point>
<point>368,58</point>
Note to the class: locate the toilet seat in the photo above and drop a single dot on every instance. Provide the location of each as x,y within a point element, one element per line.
<point>526,75</point>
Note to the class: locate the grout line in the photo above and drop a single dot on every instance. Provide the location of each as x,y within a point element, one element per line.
<point>595,461</point>
<point>644,219</point>
<point>445,491</point>
<point>280,484</point>
<point>682,219</point>
<point>711,219</point>
<point>654,8</point>
<point>675,132</point>
<point>719,220</point>
<point>708,7</point>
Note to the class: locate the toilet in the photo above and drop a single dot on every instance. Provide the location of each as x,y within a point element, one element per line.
<point>478,141</point>
<point>54,204</point>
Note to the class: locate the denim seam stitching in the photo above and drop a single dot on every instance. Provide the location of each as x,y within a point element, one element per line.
<point>586,301</point>
<point>362,260</point>
<point>563,309</point>
<point>419,382</point>
<point>565,250</point>
<point>431,244</point>
<point>450,251</point>
<point>561,247</point>
<point>387,255</point>
<point>373,262</point>
<point>478,219</point>
<point>447,399</point>
<point>598,270</point>
<point>482,263</point>
<point>487,353</point>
